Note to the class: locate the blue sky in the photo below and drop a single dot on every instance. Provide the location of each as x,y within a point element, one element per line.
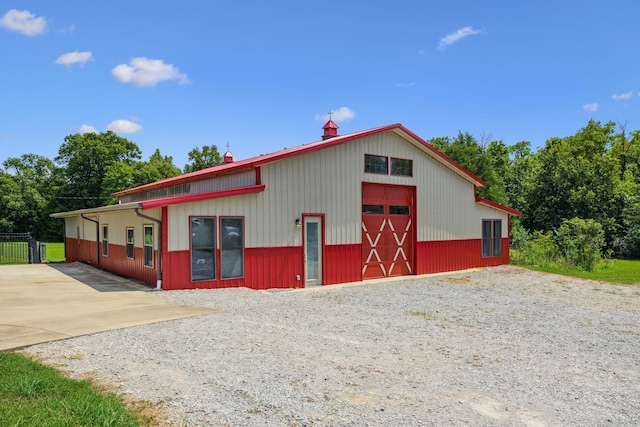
<point>261,75</point>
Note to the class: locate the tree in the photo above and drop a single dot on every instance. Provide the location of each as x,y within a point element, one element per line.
<point>203,158</point>
<point>575,177</point>
<point>86,160</point>
<point>27,188</point>
<point>466,151</point>
<point>122,175</point>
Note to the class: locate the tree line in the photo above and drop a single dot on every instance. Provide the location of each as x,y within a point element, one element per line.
<point>592,176</point>
<point>87,170</point>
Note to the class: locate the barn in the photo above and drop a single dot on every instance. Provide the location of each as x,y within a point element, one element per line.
<point>371,204</point>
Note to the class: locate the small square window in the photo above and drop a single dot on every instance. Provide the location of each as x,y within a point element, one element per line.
<point>401,167</point>
<point>376,164</point>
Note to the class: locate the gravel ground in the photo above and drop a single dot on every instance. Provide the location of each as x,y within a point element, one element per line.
<point>498,346</point>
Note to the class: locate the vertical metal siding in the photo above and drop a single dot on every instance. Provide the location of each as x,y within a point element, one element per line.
<point>224,182</point>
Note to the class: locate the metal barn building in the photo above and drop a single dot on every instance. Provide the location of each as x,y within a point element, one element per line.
<point>371,204</point>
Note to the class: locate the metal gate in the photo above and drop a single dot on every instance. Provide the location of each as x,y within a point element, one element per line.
<point>21,248</point>
<point>387,230</point>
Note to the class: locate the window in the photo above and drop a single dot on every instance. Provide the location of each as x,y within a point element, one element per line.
<point>148,245</point>
<point>130,243</point>
<point>231,247</point>
<point>376,164</point>
<point>399,210</point>
<point>380,165</point>
<point>203,248</point>
<point>105,240</point>
<point>402,167</point>
<point>373,209</point>
<point>491,237</point>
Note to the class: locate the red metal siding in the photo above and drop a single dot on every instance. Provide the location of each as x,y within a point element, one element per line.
<point>342,264</point>
<point>264,268</point>
<point>452,255</point>
<point>86,251</point>
<point>117,262</point>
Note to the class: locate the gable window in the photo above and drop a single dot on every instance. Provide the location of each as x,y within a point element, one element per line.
<point>231,247</point>
<point>376,164</point>
<point>203,248</point>
<point>148,245</point>
<point>105,240</point>
<point>491,237</point>
<point>401,167</point>
<point>130,243</point>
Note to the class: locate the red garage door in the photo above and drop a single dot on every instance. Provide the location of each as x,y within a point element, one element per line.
<point>387,230</point>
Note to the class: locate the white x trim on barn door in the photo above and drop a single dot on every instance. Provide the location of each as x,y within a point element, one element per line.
<point>400,250</point>
<point>374,251</point>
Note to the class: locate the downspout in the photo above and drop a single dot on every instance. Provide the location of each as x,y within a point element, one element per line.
<point>159,222</point>
<point>97,235</point>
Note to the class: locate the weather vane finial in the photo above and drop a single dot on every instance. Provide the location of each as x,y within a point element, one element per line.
<point>330,114</point>
<point>228,146</point>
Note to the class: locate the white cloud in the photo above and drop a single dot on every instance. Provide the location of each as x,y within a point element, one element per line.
<point>23,22</point>
<point>70,29</point>
<point>450,39</point>
<point>74,57</point>
<point>87,129</point>
<point>405,84</point>
<point>142,71</point>
<point>342,114</point>
<point>625,95</point>
<point>591,108</point>
<point>124,126</point>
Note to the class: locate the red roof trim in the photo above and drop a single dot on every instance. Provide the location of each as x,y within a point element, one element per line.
<point>498,206</point>
<point>157,203</point>
<point>302,149</point>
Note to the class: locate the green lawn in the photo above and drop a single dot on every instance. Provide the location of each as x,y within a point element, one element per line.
<point>55,252</point>
<point>33,394</point>
<point>616,271</point>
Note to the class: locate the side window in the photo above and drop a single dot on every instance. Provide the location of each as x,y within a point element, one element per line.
<point>148,245</point>
<point>232,247</point>
<point>401,167</point>
<point>105,240</point>
<point>491,237</point>
<point>376,164</point>
<point>203,248</point>
<point>130,242</point>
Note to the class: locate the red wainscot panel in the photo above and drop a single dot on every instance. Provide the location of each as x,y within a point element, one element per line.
<point>342,264</point>
<point>264,268</point>
<point>451,255</point>
<point>117,262</point>
<point>85,251</point>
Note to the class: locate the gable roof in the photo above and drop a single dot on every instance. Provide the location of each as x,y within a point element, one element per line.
<point>258,161</point>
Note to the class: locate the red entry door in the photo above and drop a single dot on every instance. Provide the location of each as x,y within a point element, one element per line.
<point>387,230</point>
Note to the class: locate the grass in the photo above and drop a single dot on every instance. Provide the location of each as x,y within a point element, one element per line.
<point>17,252</point>
<point>615,271</point>
<point>55,252</point>
<point>33,394</point>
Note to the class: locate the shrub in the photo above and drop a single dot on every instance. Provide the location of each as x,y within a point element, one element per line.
<point>579,243</point>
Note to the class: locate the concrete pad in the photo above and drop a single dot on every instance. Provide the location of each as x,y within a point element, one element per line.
<point>42,302</point>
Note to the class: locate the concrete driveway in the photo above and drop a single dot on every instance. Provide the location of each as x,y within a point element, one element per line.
<point>49,302</point>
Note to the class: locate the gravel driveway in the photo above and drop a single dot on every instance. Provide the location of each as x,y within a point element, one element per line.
<point>498,346</point>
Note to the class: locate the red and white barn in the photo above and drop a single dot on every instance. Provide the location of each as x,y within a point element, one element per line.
<point>371,204</point>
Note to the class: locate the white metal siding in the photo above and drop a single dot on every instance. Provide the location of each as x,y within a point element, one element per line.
<point>119,221</point>
<point>329,181</point>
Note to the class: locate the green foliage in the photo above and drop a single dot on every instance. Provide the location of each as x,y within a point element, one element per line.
<point>613,270</point>
<point>538,249</point>
<point>580,243</point>
<point>203,158</point>
<point>34,394</point>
